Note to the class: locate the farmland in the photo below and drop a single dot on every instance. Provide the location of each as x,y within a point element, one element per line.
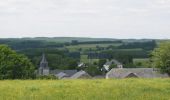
<point>91,46</point>
<point>124,89</point>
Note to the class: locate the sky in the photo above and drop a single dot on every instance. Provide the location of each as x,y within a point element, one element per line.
<point>85,18</point>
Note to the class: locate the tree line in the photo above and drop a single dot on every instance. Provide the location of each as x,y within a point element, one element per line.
<point>15,65</point>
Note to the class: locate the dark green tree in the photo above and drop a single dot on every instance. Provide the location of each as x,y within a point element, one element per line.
<point>161,57</point>
<point>13,65</point>
<point>101,62</point>
<point>112,66</point>
<point>93,70</point>
<point>72,64</point>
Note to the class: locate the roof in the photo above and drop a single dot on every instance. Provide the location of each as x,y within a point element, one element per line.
<point>116,62</point>
<point>61,75</point>
<point>108,63</point>
<point>130,74</point>
<point>140,72</point>
<point>68,72</point>
<point>113,61</point>
<point>105,68</point>
<point>81,64</point>
<point>80,74</point>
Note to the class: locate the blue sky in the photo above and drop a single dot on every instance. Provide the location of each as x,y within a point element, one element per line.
<point>85,18</point>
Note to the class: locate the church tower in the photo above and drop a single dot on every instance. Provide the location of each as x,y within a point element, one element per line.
<point>43,69</point>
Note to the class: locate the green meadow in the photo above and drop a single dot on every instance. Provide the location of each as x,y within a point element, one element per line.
<point>90,46</point>
<point>112,89</point>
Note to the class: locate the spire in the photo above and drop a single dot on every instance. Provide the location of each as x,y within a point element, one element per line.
<point>44,63</point>
<point>43,69</point>
<point>43,60</point>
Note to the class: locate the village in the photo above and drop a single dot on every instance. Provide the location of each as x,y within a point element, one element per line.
<point>118,72</point>
<point>84,49</point>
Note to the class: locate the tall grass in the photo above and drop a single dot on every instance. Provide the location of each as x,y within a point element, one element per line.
<point>124,89</point>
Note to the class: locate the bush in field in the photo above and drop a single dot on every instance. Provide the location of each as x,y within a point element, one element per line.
<point>13,65</point>
<point>161,57</point>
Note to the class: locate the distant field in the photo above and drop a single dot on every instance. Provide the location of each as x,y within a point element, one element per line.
<point>92,46</point>
<point>136,49</point>
<point>84,58</point>
<point>124,89</point>
<point>160,41</point>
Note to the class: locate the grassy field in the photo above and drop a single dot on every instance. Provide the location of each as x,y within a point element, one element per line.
<point>84,59</point>
<point>144,61</point>
<point>90,46</point>
<point>124,89</point>
<point>141,60</point>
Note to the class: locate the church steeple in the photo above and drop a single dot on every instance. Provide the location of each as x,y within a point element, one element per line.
<point>44,63</point>
<point>43,69</point>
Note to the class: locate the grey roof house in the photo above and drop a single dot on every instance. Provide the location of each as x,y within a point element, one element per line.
<point>61,75</point>
<point>68,72</point>
<point>107,65</point>
<point>81,65</point>
<point>81,74</point>
<point>119,65</point>
<point>135,73</point>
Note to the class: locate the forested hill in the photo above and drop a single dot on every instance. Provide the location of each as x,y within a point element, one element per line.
<point>66,52</point>
<point>63,39</point>
<point>69,39</point>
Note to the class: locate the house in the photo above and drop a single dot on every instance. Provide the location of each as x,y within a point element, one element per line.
<point>81,65</point>
<point>107,65</point>
<point>118,64</point>
<point>80,75</point>
<point>135,73</point>
<point>62,73</point>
